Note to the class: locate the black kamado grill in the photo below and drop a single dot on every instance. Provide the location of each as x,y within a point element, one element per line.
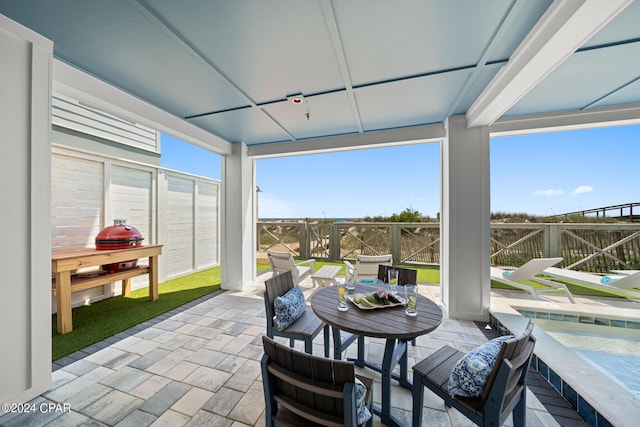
<point>119,236</point>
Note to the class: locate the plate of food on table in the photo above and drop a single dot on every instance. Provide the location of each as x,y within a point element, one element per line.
<point>377,299</point>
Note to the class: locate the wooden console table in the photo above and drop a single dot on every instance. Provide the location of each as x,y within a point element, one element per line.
<point>64,283</point>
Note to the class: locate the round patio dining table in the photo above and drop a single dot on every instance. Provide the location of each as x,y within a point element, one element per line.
<point>390,323</point>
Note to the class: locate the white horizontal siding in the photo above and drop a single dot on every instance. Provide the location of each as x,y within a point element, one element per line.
<point>70,114</point>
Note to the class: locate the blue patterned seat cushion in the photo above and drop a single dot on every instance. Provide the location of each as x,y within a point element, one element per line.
<point>289,307</point>
<point>362,412</point>
<point>471,373</point>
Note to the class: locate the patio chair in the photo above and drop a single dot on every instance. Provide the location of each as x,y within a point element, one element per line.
<point>528,271</point>
<point>366,267</point>
<point>303,390</point>
<point>305,328</point>
<point>488,403</point>
<point>283,261</point>
<point>406,276</point>
<point>620,283</point>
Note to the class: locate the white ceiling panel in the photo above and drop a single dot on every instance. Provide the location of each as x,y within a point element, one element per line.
<point>582,79</point>
<point>629,94</point>
<point>623,27</point>
<point>125,46</point>
<point>481,79</point>
<point>522,16</point>
<point>269,49</point>
<point>409,102</point>
<point>247,125</point>
<point>363,65</point>
<point>329,114</point>
<point>386,40</point>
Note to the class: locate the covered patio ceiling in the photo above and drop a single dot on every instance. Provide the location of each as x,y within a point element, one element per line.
<point>363,71</point>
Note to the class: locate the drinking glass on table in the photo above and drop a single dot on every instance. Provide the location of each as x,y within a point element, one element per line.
<point>350,285</point>
<point>342,298</point>
<point>411,294</point>
<point>393,281</point>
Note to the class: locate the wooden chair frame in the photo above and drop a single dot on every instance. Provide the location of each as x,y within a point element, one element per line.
<point>304,390</point>
<point>306,328</point>
<point>504,393</point>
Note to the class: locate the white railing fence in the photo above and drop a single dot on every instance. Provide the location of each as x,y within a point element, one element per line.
<point>589,247</point>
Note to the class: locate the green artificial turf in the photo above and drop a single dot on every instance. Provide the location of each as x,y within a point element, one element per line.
<point>431,274</point>
<point>95,322</point>
<point>426,274</point>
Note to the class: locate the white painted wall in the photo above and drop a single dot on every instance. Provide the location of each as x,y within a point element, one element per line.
<point>25,177</point>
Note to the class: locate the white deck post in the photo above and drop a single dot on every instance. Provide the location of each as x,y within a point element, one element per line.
<point>25,186</point>
<point>238,237</point>
<point>466,223</point>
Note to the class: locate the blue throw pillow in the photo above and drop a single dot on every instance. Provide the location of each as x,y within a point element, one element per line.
<point>289,307</point>
<point>362,412</point>
<point>471,373</point>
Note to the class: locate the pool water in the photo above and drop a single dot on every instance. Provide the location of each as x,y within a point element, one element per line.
<point>614,351</point>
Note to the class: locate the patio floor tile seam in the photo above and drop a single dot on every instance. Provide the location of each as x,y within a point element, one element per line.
<point>93,348</point>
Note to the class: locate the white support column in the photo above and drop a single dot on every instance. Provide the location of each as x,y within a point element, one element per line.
<point>466,225</point>
<point>25,187</point>
<point>238,237</point>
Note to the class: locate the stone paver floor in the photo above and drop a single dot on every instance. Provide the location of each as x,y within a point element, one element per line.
<point>200,366</point>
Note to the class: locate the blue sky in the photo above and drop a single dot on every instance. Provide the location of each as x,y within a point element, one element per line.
<point>541,174</point>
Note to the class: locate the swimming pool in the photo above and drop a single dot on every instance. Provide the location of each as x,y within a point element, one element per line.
<point>613,350</point>
<point>596,396</point>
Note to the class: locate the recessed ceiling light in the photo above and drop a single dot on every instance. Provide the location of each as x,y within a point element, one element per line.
<point>296,99</point>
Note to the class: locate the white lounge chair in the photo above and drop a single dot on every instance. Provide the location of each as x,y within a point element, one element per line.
<point>366,267</point>
<point>619,283</point>
<point>283,261</point>
<point>624,272</point>
<point>528,271</point>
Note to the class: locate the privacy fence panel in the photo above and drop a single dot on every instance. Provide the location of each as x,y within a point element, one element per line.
<point>206,223</point>
<point>179,211</point>
<point>179,250</point>
<point>131,197</point>
<point>77,201</point>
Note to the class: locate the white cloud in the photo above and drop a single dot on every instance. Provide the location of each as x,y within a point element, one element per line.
<point>582,189</point>
<point>548,193</point>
